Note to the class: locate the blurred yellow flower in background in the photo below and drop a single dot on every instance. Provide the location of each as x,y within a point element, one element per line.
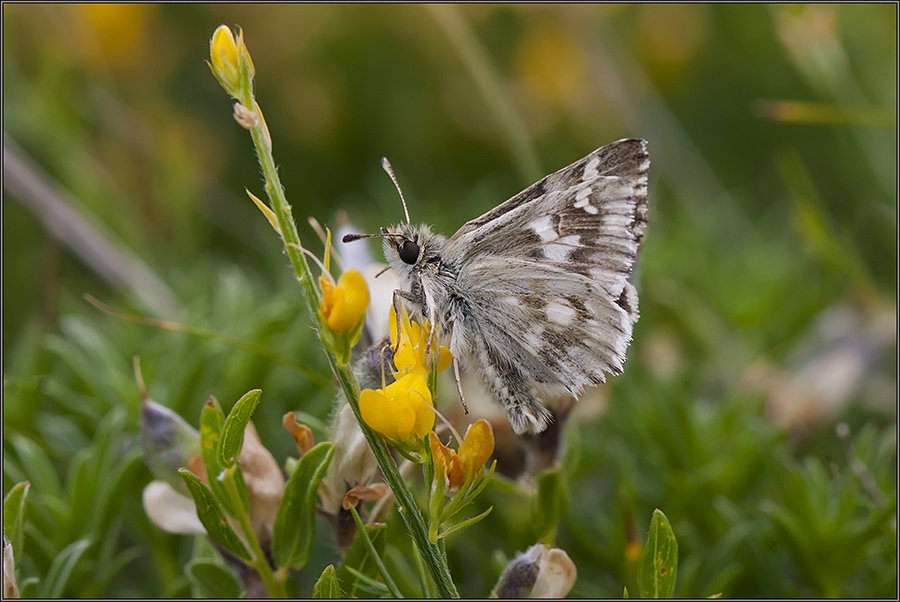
<point>113,36</point>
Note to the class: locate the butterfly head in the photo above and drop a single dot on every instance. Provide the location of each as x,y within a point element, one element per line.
<point>408,248</point>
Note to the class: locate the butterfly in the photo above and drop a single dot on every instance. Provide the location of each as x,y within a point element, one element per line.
<point>534,294</point>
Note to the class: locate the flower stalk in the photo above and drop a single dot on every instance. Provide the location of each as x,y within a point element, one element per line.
<point>274,583</point>
<point>433,555</point>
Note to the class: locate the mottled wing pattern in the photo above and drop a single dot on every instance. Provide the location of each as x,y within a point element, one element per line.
<point>546,275</point>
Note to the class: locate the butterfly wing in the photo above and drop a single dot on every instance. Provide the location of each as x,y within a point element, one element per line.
<point>545,274</point>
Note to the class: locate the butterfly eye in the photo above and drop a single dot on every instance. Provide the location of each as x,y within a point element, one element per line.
<point>409,252</point>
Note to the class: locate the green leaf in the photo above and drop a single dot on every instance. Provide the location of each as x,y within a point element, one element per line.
<point>214,579</point>
<point>357,558</point>
<point>328,585</point>
<point>61,570</point>
<point>466,523</point>
<point>14,506</point>
<point>212,418</point>
<point>659,560</point>
<point>37,466</point>
<point>210,513</point>
<point>625,595</point>
<point>29,588</point>
<point>294,528</point>
<point>551,501</point>
<point>233,432</point>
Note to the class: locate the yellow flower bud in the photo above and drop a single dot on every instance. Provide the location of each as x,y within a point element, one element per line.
<point>224,56</point>
<point>227,56</point>
<point>344,306</point>
<point>401,412</point>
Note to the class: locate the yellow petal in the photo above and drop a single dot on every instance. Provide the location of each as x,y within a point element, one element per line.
<point>439,452</point>
<point>222,49</point>
<point>477,446</point>
<point>356,293</point>
<point>351,297</point>
<point>376,410</point>
<point>412,391</point>
<point>454,475</point>
<point>344,305</point>
<point>390,412</point>
<point>444,359</point>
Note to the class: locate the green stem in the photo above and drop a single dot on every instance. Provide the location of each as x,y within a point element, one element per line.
<point>259,562</point>
<point>361,529</point>
<point>433,556</point>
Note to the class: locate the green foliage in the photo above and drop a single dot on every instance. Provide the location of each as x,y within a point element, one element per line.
<point>358,562</point>
<point>658,564</point>
<point>14,507</point>
<point>214,579</point>
<point>551,501</point>
<point>328,585</point>
<point>212,419</point>
<point>211,514</point>
<point>232,438</point>
<point>294,530</point>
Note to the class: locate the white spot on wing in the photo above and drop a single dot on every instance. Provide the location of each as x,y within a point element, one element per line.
<point>557,253</point>
<point>543,227</point>
<point>591,209</point>
<point>561,249</point>
<point>560,312</point>
<point>590,170</point>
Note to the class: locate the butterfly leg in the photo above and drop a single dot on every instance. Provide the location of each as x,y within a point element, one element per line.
<point>396,302</point>
<point>459,384</point>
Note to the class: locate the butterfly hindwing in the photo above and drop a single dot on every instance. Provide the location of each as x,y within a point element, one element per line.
<point>546,275</point>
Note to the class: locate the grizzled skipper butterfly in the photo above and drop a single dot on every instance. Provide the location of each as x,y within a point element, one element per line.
<point>535,292</point>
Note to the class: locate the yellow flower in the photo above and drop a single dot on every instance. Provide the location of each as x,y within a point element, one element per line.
<point>410,356</point>
<point>344,306</point>
<point>226,55</point>
<point>401,411</point>
<point>476,448</point>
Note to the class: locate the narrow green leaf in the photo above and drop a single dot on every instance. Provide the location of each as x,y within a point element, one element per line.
<point>29,588</point>
<point>37,466</point>
<point>625,595</point>
<point>328,585</point>
<point>294,528</point>
<point>357,559</point>
<point>551,501</point>
<point>368,585</point>
<point>466,523</point>
<point>210,513</point>
<point>214,579</point>
<point>212,418</point>
<point>61,570</point>
<point>14,506</point>
<point>233,432</point>
<point>376,556</point>
<point>659,560</point>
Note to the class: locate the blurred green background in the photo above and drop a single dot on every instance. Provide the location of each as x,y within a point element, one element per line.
<point>767,280</point>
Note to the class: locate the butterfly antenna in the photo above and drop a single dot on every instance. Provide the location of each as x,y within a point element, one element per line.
<point>386,165</point>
